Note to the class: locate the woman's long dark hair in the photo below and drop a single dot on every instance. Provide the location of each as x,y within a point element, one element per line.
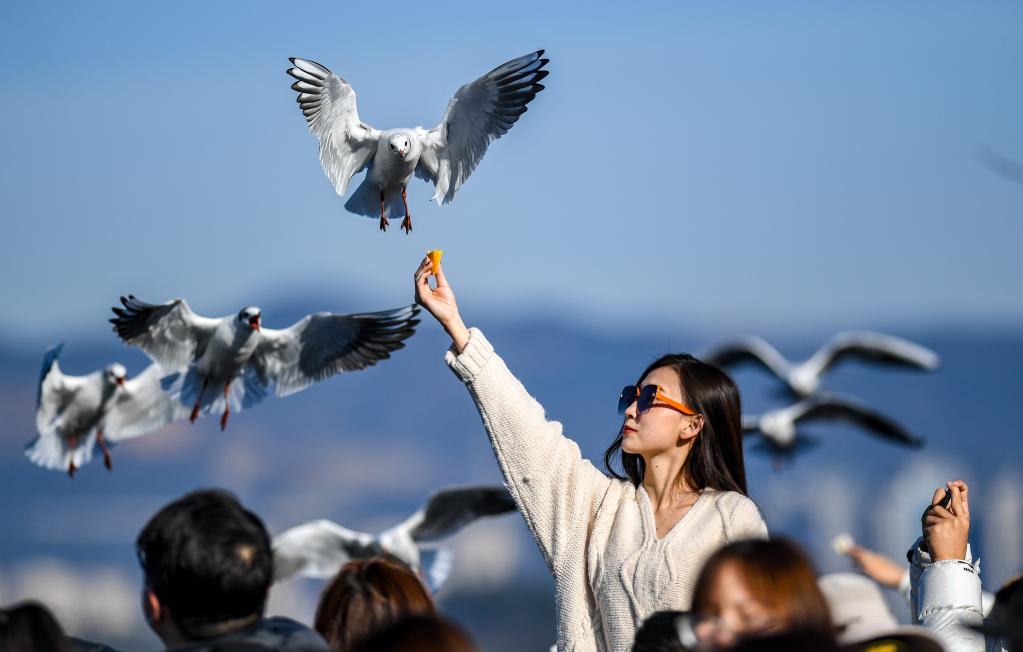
<point>715,459</point>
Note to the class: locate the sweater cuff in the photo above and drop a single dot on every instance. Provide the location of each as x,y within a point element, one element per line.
<point>950,583</point>
<point>474,357</point>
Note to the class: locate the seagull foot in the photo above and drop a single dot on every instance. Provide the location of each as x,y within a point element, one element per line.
<point>223,420</point>
<point>383,223</point>
<point>71,468</point>
<point>107,462</point>
<point>195,414</point>
<point>406,224</point>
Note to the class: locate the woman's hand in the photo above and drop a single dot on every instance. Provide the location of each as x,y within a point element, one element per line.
<point>440,302</point>
<point>946,531</point>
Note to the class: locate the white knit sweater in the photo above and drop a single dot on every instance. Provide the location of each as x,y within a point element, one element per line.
<point>596,533</point>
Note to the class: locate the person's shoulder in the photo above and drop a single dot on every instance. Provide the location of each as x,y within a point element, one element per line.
<point>734,507</point>
<point>727,499</point>
<point>273,633</point>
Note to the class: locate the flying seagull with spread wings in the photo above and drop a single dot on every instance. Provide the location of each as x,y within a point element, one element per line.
<point>320,548</point>
<point>233,362</point>
<point>480,112</point>
<point>804,378</point>
<point>75,414</point>
<point>779,428</point>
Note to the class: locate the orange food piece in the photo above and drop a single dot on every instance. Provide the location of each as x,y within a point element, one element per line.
<point>434,255</point>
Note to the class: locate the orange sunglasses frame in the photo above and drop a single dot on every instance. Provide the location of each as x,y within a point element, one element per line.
<point>658,395</point>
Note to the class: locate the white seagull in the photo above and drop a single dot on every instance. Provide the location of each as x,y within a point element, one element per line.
<point>804,378</point>
<point>318,549</point>
<point>234,362</point>
<point>779,428</point>
<point>74,414</point>
<point>478,114</point>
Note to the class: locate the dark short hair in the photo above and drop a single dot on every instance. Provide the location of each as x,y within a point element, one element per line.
<point>658,633</point>
<point>30,627</point>
<point>365,596</point>
<point>797,640</point>
<point>715,460</point>
<point>208,560</point>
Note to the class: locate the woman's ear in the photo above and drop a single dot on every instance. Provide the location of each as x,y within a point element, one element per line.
<point>694,426</point>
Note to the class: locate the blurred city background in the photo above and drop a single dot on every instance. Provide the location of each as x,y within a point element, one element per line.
<point>692,172</point>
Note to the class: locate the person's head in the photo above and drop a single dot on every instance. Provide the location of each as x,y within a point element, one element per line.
<point>208,567</point>
<point>423,633</point>
<point>30,627</point>
<point>862,619</point>
<point>659,633</point>
<point>700,420</point>
<point>755,587</point>
<point>1006,618</point>
<point>365,596</point>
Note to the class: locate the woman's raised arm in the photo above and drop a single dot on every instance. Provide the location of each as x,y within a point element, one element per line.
<point>556,490</point>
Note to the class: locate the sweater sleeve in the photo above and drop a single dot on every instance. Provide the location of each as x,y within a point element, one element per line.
<point>556,490</point>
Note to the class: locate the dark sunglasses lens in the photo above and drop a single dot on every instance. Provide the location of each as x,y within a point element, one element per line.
<point>646,398</point>
<point>626,398</point>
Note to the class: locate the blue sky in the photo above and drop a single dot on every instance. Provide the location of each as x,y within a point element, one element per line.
<point>715,165</point>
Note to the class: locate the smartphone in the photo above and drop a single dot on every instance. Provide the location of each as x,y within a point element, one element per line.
<point>946,499</point>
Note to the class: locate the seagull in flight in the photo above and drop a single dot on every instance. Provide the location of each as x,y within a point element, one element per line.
<point>319,549</point>
<point>75,414</point>
<point>804,378</point>
<point>780,428</point>
<point>234,361</point>
<point>479,113</point>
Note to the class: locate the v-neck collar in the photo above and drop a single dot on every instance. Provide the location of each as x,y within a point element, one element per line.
<point>650,520</point>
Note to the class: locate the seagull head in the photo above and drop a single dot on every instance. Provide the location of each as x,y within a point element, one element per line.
<point>250,317</point>
<point>400,144</point>
<point>115,373</point>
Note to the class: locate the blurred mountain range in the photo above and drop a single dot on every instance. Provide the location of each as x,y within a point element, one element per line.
<point>365,449</point>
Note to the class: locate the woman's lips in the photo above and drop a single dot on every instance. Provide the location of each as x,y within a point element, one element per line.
<point>626,430</point>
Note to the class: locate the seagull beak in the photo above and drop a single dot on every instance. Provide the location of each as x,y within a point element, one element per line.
<point>119,381</point>
<point>401,152</point>
<point>254,323</point>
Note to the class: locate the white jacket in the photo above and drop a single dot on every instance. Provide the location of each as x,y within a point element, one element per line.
<point>946,597</point>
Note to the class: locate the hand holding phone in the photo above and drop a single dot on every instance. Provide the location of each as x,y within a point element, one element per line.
<point>946,523</point>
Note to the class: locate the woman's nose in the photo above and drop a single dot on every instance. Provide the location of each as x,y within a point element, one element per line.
<point>631,412</point>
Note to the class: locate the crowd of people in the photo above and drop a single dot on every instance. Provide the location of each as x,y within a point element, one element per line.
<point>663,551</point>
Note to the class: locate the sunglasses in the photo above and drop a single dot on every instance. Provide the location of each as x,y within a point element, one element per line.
<point>644,398</point>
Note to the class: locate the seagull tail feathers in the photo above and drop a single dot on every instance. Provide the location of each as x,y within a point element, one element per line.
<point>52,452</point>
<point>366,201</point>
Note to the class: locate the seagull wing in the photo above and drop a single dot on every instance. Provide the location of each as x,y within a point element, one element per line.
<point>325,344</point>
<point>318,549</point>
<point>347,144</point>
<point>750,424</point>
<point>141,407</point>
<point>1002,165</point>
<point>835,407</point>
<point>450,510</point>
<point>749,349</point>
<point>478,114</point>
<point>56,391</point>
<point>440,569</point>
<point>170,333</point>
<point>875,347</point>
